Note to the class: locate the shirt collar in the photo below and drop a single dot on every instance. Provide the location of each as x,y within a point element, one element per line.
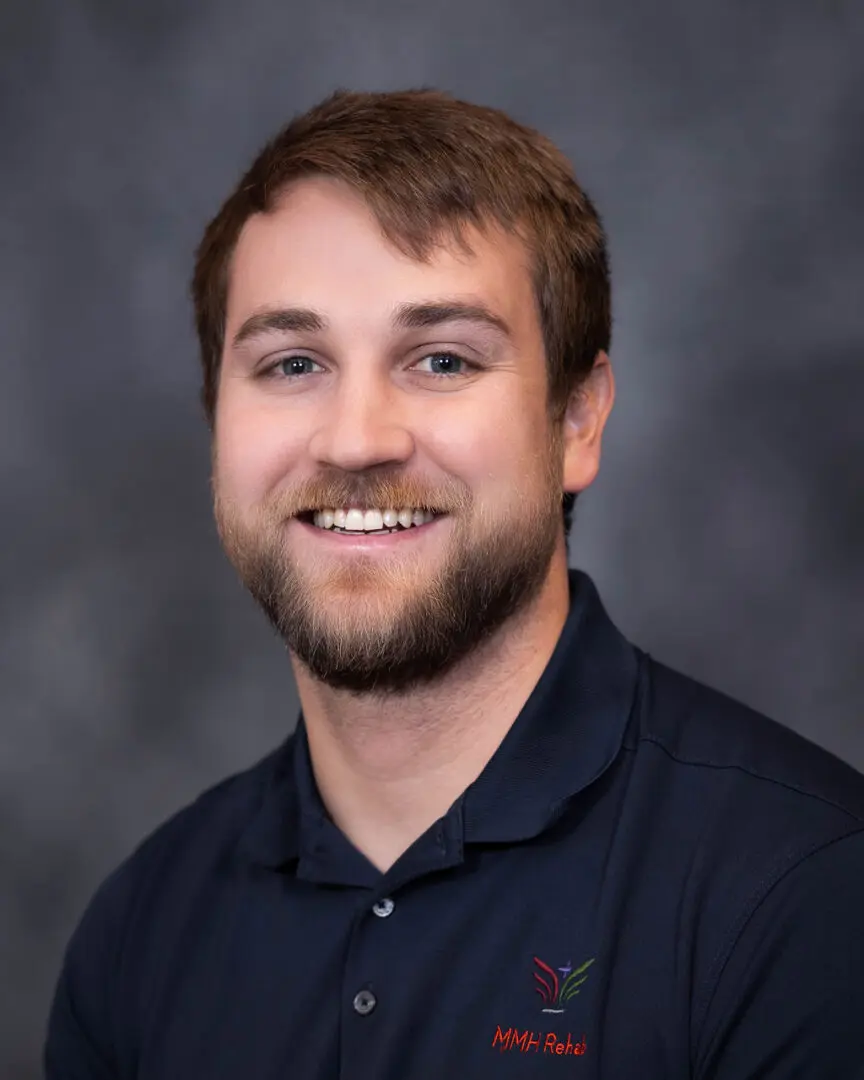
<point>567,734</point>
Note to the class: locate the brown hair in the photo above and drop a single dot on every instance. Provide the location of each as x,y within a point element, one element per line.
<point>427,164</point>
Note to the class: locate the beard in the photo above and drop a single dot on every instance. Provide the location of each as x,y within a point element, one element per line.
<point>389,625</point>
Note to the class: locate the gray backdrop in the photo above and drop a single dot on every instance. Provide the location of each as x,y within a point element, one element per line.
<point>723,144</point>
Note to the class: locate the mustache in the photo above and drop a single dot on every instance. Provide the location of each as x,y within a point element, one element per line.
<point>373,492</point>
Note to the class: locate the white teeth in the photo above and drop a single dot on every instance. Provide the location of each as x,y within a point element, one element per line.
<point>373,520</point>
<point>354,521</point>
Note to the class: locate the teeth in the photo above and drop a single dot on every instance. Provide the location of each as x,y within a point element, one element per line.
<point>371,521</point>
<point>354,521</point>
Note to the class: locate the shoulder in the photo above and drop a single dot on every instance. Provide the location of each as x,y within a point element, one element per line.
<point>734,747</point>
<point>746,799</point>
<point>212,824</point>
<point>191,845</point>
<point>768,834</point>
<point>786,986</point>
<point>89,1031</point>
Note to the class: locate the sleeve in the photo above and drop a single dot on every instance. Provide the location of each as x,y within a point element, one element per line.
<point>79,1043</point>
<point>789,1000</point>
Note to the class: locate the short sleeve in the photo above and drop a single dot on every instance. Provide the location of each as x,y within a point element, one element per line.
<point>79,1042</point>
<point>789,999</point>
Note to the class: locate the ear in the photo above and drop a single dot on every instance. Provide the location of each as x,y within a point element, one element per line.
<point>587,412</point>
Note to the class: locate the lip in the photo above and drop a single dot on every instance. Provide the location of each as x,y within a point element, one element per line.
<point>362,543</point>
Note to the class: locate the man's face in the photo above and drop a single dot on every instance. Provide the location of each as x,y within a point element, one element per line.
<point>348,389</point>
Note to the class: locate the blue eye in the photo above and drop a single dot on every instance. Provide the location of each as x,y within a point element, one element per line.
<point>293,366</point>
<point>445,363</point>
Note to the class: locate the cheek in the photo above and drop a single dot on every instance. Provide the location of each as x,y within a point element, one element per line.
<point>496,452</point>
<point>255,451</point>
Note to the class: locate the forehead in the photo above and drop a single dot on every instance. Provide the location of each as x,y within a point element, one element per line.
<point>322,247</point>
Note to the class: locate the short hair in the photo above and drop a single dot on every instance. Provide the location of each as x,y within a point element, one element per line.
<point>428,164</point>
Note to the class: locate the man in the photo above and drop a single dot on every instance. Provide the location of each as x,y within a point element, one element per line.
<point>501,834</point>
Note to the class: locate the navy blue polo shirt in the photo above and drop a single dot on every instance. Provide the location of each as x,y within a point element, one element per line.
<point>648,880</point>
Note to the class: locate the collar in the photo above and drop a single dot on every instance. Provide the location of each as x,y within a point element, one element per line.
<point>567,734</point>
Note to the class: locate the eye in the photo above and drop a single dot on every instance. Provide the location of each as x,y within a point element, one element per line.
<point>444,364</point>
<point>291,367</point>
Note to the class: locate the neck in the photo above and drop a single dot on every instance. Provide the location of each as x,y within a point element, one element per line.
<point>387,768</point>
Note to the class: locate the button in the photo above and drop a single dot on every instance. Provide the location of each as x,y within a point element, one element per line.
<point>383,908</point>
<point>365,1002</point>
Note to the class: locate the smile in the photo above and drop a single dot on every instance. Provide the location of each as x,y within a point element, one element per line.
<point>353,521</point>
<point>369,538</point>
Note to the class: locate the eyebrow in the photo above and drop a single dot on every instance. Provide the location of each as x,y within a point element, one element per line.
<point>416,316</point>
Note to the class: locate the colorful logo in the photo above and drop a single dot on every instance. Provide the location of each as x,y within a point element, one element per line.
<point>557,992</point>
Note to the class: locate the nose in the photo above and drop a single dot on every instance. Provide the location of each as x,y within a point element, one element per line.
<point>363,424</point>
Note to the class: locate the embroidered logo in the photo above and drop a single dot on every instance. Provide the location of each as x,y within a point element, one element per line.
<point>557,992</point>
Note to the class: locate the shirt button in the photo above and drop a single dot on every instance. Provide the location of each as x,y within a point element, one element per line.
<point>365,1002</point>
<point>383,908</point>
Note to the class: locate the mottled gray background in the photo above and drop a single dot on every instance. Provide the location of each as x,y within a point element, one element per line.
<point>723,143</point>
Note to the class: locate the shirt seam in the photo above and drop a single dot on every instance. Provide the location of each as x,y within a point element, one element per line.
<point>757,898</point>
<point>748,771</point>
